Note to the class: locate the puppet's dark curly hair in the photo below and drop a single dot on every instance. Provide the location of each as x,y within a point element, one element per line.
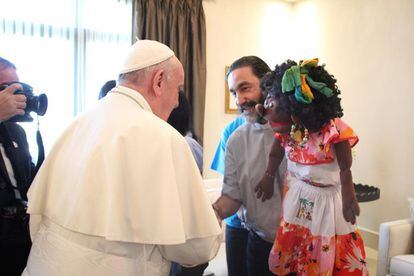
<point>314,115</point>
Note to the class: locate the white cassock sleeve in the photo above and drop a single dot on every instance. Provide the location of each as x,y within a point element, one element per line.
<point>193,251</point>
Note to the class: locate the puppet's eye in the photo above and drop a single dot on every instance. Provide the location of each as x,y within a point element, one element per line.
<point>270,102</point>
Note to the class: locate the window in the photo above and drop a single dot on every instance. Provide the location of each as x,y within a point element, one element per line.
<point>66,49</point>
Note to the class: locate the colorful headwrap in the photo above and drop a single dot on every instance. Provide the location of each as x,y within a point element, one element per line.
<point>296,79</point>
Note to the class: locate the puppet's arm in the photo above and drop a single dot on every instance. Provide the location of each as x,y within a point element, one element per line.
<point>350,207</point>
<point>264,189</point>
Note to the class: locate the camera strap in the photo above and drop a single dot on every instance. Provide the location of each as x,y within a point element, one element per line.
<point>41,149</point>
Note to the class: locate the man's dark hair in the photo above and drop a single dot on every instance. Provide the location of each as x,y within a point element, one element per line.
<point>106,88</point>
<point>4,64</point>
<point>314,115</point>
<point>259,67</point>
<point>180,117</point>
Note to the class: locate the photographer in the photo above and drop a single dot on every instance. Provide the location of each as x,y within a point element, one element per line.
<point>10,104</point>
<point>16,174</point>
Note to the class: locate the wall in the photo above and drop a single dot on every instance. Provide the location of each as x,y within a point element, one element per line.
<point>366,44</point>
<point>235,29</point>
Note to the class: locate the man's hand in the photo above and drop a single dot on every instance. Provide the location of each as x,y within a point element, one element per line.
<point>265,187</point>
<point>11,104</point>
<point>350,207</point>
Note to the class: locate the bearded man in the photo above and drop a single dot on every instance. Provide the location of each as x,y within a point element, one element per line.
<point>246,155</point>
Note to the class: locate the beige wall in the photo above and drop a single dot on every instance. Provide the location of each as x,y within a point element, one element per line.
<point>368,45</point>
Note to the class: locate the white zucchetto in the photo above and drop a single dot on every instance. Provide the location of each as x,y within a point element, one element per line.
<point>145,53</point>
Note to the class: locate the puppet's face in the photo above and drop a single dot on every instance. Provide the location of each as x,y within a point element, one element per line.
<point>278,120</point>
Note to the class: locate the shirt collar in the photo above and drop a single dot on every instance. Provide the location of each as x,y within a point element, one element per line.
<point>258,125</point>
<point>133,95</point>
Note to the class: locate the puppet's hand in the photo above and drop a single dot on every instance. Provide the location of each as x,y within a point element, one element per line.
<point>264,189</point>
<point>350,207</point>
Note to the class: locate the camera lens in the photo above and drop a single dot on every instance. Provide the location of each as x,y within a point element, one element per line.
<point>36,104</point>
<point>42,104</point>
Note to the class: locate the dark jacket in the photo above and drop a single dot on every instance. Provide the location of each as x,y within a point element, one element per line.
<point>14,222</point>
<point>14,141</point>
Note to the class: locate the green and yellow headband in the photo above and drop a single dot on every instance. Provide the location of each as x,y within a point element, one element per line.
<point>296,79</point>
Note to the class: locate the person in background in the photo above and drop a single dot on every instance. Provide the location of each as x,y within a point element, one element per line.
<point>180,119</point>
<point>11,104</point>
<point>120,192</point>
<point>16,174</point>
<point>106,88</point>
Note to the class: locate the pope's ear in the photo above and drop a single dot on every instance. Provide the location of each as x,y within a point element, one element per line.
<point>157,81</point>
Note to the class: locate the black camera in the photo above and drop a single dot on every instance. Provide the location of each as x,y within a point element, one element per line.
<point>37,104</point>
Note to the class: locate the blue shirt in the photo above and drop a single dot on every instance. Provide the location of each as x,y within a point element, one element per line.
<point>218,161</point>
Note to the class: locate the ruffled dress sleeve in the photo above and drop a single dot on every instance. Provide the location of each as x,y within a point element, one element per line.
<point>338,131</point>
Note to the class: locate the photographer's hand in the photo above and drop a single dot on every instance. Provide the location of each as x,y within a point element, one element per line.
<point>11,104</point>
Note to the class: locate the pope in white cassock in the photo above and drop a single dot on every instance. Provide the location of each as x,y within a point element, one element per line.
<point>120,192</point>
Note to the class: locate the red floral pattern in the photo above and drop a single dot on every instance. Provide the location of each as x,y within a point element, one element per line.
<point>296,250</point>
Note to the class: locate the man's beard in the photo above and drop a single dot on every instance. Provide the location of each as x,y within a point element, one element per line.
<point>251,116</point>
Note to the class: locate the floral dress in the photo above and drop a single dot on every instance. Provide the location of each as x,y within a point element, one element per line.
<point>313,237</point>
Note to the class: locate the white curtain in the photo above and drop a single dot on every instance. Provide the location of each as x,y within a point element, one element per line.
<point>66,49</point>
